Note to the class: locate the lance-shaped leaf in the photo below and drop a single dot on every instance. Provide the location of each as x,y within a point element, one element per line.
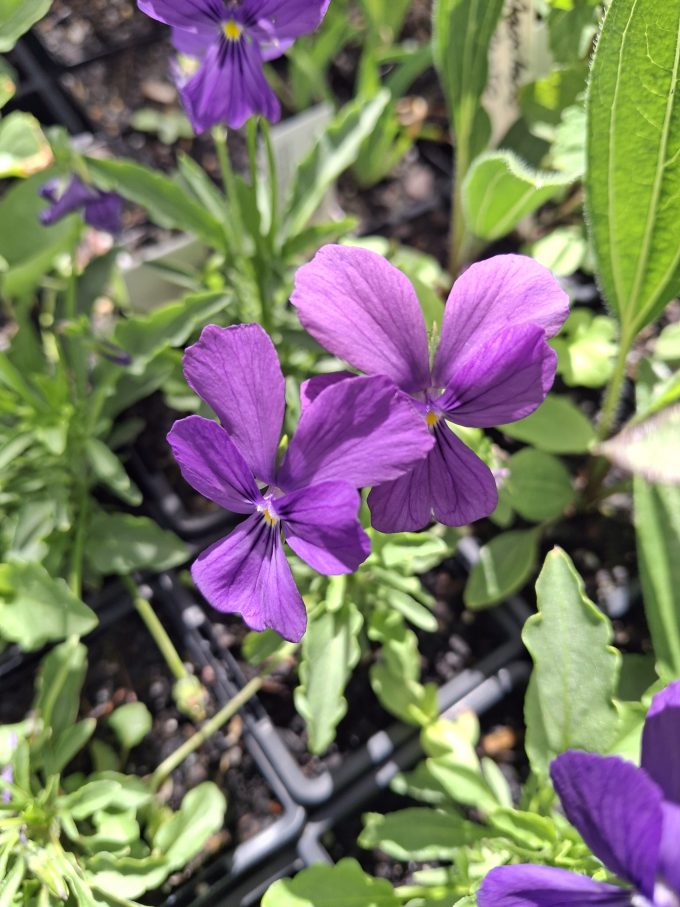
<point>633,170</point>
<point>330,651</point>
<point>327,886</point>
<point>569,702</point>
<point>657,527</point>
<point>649,448</point>
<point>499,190</point>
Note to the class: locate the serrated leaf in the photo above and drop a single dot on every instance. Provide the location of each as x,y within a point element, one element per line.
<point>505,564</point>
<point>539,485</point>
<point>343,885</point>
<point>499,190</point>
<point>330,650</point>
<point>633,174</point>
<point>419,834</point>
<point>557,426</point>
<point>649,448</point>
<point>569,702</point>
<point>657,529</point>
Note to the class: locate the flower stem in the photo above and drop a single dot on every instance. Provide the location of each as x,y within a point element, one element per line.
<point>157,630</point>
<point>233,220</point>
<point>220,718</point>
<point>612,396</point>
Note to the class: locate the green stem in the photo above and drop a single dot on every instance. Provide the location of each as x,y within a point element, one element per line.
<point>75,576</point>
<point>157,630</point>
<point>220,718</point>
<point>458,237</point>
<point>233,220</point>
<point>612,396</point>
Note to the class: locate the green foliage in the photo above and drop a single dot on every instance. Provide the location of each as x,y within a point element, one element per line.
<point>557,426</point>
<point>121,543</point>
<point>570,643</point>
<point>23,147</point>
<point>505,564</point>
<point>326,886</point>
<point>539,486</point>
<point>499,190</point>
<point>109,838</point>
<point>586,348</point>
<point>649,447</point>
<point>657,528</point>
<point>16,17</point>
<point>633,178</point>
<point>330,651</point>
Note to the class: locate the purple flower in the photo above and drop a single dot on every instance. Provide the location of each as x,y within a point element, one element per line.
<point>101,210</point>
<point>628,816</point>
<point>492,364</point>
<point>355,433</point>
<point>233,40</point>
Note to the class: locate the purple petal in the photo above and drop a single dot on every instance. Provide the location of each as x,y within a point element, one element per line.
<point>187,14</point>
<point>195,43</point>
<point>491,296</point>
<point>363,431</point>
<point>661,741</point>
<point>546,886</point>
<point>105,212</point>
<point>211,463</point>
<point>362,309</point>
<point>452,486</point>
<point>283,19</point>
<point>320,524</point>
<point>229,87</point>
<point>237,372</point>
<point>312,387</point>
<point>617,810</point>
<point>76,195</point>
<point>504,380</point>
<point>247,572</point>
<point>669,864</point>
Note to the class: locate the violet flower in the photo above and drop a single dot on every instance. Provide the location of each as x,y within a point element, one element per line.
<point>492,364</point>
<point>233,39</point>
<point>355,433</point>
<point>101,210</point>
<point>628,816</point>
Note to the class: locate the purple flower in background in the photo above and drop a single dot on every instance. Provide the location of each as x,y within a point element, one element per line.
<point>355,433</point>
<point>628,816</point>
<point>7,773</point>
<point>233,40</point>
<point>102,210</point>
<point>492,365</point>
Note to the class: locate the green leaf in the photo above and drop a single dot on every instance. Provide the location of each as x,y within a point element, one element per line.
<point>110,472</point>
<point>168,204</point>
<point>395,679</point>
<point>87,799</point>
<point>120,543</point>
<point>130,723</point>
<point>127,877</point>
<point>586,349</point>
<point>569,702</point>
<point>343,885</point>
<point>524,828</point>
<point>16,17</point>
<point>668,343</point>
<point>562,250</point>
<point>499,190</point>
<point>36,608</point>
<point>185,834</point>
<point>12,882</point>
<point>557,426</point>
<point>419,834</point>
<point>461,34</point>
<point>60,751</point>
<point>29,248</point>
<point>539,486</point>
<point>657,528</point>
<point>23,147</point>
<point>504,566</point>
<point>330,651</point>
<point>145,336</point>
<point>334,152</point>
<point>649,448</point>
<point>633,174</point>
<point>59,683</point>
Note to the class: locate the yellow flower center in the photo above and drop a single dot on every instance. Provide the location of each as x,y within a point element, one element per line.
<point>269,517</point>
<point>232,30</point>
<point>431,419</point>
